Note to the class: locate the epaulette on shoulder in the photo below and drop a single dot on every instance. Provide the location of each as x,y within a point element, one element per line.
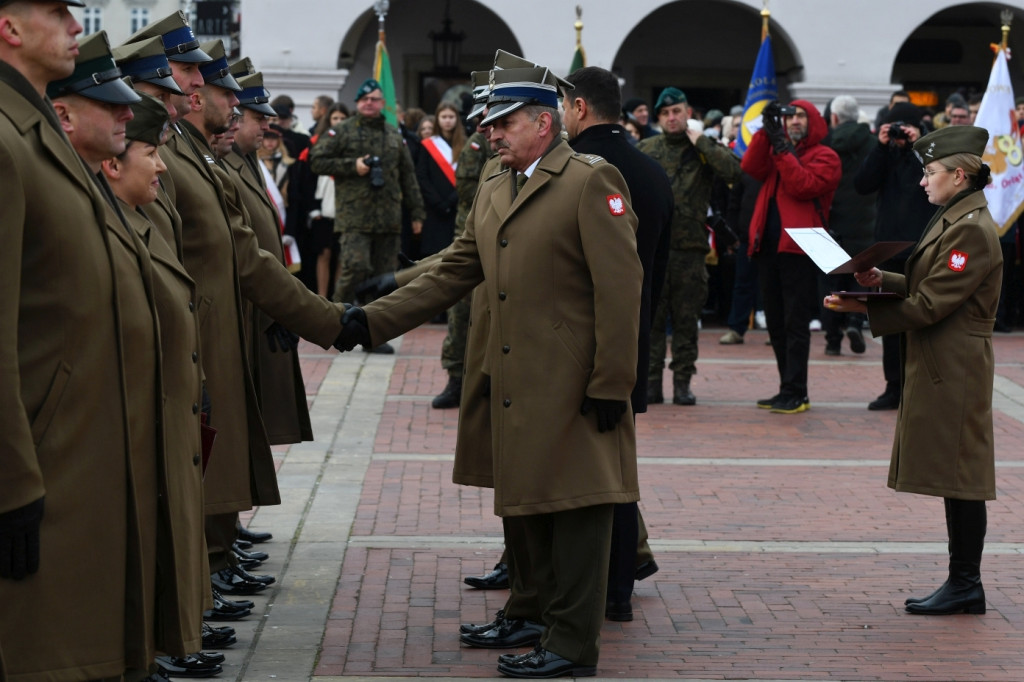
<point>498,174</point>
<point>589,159</point>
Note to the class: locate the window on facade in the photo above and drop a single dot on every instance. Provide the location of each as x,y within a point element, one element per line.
<point>92,20</point>
<point>140,18</point>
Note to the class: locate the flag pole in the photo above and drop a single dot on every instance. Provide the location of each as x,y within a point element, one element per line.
<point>579,57</point>
<point>765,16</point>
<point>1007,16</point>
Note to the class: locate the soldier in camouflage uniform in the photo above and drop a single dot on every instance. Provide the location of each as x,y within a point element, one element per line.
<point>692,161</point>
<point>369,200</point>
<point>467,177</point>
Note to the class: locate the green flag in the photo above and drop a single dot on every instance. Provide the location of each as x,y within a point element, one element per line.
<point>382,74</point>
<point>579,60</point>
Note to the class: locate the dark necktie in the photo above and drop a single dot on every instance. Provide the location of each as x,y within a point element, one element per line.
<point>521,179</point>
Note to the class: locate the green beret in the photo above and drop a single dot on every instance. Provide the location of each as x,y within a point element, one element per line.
<point>951,140</point>
<point>368,86</point>
<point>150,121</point>
<point>96,76</point>
<point>669,97</point>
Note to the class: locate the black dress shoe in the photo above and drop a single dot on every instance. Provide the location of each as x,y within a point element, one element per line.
<point>470,628</point>
<point>218,638</point>
<point>189,666</point>
<point>247,564</point>
<point>210,656</point>
<point>230,581</point>
<point>543,664</point>
<point>495,580</point>
<point>253,536</point>
<point>236,603</point>
<point>647,568</point>
<point>515,658</point>
<point>243,553</point>
<point>246,575</point>
<point>619,611</point>
<point>242,544</point>
<point>226,610</point>
<point>509,634</point>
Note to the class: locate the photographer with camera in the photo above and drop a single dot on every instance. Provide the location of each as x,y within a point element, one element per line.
<point>800,176</point>
<point>374,178</point>
<point>892,170</point>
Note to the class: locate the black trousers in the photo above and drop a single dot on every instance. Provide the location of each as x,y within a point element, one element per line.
<point>789,289</point>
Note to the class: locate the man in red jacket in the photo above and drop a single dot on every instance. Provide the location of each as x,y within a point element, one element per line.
<point>799,176</point>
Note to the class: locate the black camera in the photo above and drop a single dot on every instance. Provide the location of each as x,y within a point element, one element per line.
<point>787,111</point>
<point>376,172</point>
<point>896,131</point>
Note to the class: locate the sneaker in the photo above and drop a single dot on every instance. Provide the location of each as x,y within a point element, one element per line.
<point>856,337</point>
<point>832,350</point>
<point>766,403</point>
<point>791,405</point>
<point>815,325</point>
<point>731,338</point>
<point>759,320</point>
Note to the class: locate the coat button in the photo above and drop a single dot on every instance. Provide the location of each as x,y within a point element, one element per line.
<point>191,306</point>
<point>504,242</point>
<point>196,459</point>
<point>506,349</point>
<point>195,356</point>
<point>502,296</point>
<point>195,408</point>
<point>507,402</point>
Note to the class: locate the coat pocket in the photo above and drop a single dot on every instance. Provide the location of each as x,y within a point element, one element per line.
<point>569,342</point>
<point>49,407</point>
<point>205,303</point>
<point>928,355</point>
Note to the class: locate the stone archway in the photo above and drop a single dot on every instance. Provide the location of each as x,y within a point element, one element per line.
<point>411,48</point>
<point>950,51</point>
<point>707,49</point>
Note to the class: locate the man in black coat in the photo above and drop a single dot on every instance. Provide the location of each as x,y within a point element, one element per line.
<point>893,171</point>
<point>591,114</point>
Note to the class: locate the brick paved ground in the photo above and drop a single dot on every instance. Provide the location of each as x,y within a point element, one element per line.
<point>783,554</point>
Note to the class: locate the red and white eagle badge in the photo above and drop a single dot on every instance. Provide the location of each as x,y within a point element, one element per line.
<point>616,204</point>
<point>957,261</point>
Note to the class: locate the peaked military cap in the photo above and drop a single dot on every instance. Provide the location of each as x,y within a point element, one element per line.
<point>150,121</point>
<point>253,95</point>
<point>145,61</point>
<point>951,140</point>
<point>481,91</point>
<point>96,76</point>
<point>216,71</point>
<point>507,60</point>
<point>513,89</point>
<point>242,67</point>
<point>180,44</point>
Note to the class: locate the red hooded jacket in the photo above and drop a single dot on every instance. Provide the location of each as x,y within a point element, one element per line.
<point>795,179</point>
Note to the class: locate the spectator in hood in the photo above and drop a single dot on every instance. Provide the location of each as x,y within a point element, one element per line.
<point>636,110</point>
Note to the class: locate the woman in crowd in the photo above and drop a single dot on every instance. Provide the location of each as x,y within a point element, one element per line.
<point>944,308</point>
<point>435,171</point>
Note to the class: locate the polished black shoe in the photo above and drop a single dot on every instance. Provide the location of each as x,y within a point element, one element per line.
<point>495,580</point>
<point>218,638</point>
<point>886,401</point>
<point>509,634</point>
<point>543,664</point>
<point>247,564</point>
<point>515,658</point>
<point>225,609</point>
<point>252,536</point>
<point>619,611</point>
<point>470,628</point>
<point>189,666</point>
<point>646,569</point>
<point>235,603</point>
<point>856,338</point>
<point>242,544</point>
<point>382,349</point>
<point>210,656</point>
<point>231,581</point>
<point>254,555</point>
<point>450,397</point>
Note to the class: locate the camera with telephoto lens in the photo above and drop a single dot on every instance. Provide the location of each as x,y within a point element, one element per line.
<point>376,172</point>
<point>896,131</point>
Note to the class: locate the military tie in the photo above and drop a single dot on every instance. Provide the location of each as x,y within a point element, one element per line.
<point>521,179</point>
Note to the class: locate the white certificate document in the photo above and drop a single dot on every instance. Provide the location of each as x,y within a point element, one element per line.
<point>817,243</point>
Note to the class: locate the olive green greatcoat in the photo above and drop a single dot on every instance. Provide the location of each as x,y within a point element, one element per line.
<point>181,600</point>
<point>562,280</point>
<point>223,257</point>
<point>278,378</point>
<point>944,442</point>
<point>66,347</point>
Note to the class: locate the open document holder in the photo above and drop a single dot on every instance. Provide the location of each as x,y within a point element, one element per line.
<point>826,253</point>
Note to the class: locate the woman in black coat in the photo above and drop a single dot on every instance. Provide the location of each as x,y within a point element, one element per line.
<point>435,171</point>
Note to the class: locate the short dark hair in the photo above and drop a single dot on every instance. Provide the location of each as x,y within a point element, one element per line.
<point>599,88</point>
<point>899,93</point>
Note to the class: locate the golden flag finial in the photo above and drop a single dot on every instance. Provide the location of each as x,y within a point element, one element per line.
<point>765,16</point>
<point>1007,17</point>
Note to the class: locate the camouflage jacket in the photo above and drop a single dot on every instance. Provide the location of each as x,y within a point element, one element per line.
<point>359,206</point>
<point>467,175</point>
<point>692,170</point>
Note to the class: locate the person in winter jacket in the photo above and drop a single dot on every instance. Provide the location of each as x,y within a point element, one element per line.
<point>800,175</point>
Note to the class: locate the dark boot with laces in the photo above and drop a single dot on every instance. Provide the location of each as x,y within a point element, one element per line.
<point>450,396</point>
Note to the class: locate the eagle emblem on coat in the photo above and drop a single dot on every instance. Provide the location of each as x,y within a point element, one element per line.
<point>957,261</point>
<point>616,204</point>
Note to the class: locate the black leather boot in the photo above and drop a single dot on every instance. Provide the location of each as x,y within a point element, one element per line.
<point>654,394</point>
<point>949,534</point>
<point>682,395</point>
<point>963,591</point>
<point>450,396</point>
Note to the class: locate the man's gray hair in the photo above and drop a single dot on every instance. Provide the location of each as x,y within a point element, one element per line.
<point>845,108</point>
<point>532,111</point>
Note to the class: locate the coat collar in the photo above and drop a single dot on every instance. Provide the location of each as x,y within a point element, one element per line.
<point>970,203</point>
<point>504,199</point>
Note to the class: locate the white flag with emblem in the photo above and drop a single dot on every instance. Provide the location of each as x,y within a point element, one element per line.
<point>1005,192</point>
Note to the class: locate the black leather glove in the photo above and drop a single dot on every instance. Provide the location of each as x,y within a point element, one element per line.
<point>280,339</point>
<point>375,287</point>
<point>354,330</point>
<point>404,261</point>
<point>608,412</point>
<point>19,540</point>
<point>771,121</point>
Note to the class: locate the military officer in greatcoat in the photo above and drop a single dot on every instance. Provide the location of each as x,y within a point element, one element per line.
<point>560,356</point>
